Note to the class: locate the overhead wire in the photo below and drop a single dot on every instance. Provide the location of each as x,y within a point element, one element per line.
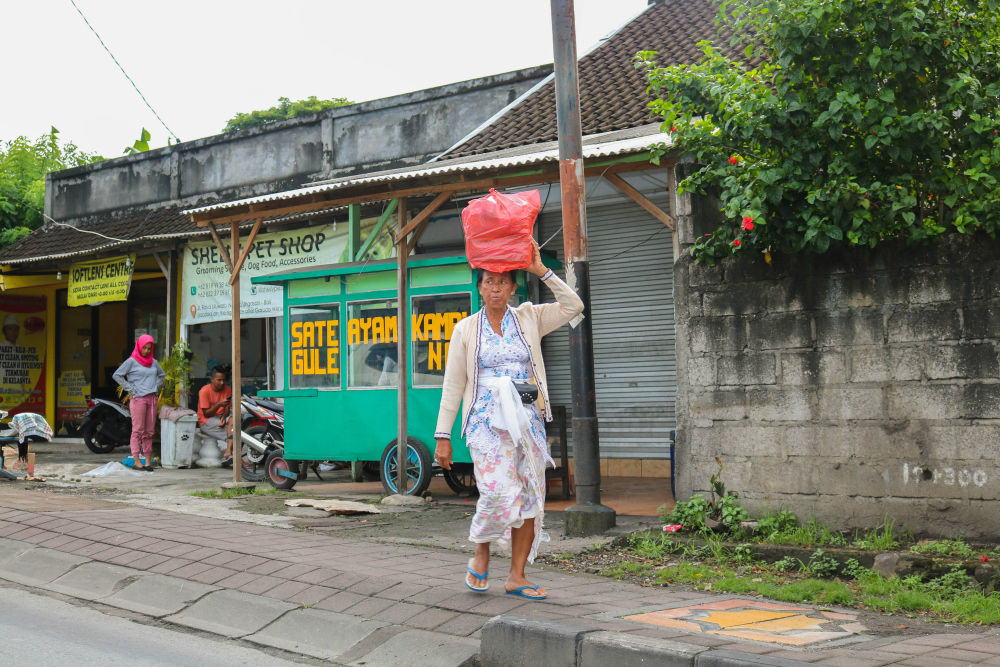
<point>63,224</point>
<point>169,131</point>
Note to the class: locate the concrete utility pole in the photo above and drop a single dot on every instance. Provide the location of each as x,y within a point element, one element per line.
<point>588,516</point>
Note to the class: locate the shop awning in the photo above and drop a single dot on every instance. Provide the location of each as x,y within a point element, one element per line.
<point>512,168</point>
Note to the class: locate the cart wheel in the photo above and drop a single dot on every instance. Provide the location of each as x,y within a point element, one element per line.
<point>418,467</point>
<point>276,461</point>
<point>462,479</point>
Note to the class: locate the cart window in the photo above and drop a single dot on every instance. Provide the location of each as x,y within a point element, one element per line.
<point>314,337</point>
<point>433,320</point>
<point>371,344</point>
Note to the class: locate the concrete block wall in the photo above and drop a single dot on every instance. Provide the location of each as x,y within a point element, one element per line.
<point>849,387</point>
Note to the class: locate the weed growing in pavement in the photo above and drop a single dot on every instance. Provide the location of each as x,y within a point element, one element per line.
<point>944,549</point>
<point>878,541</point>
<point>713,566</point>
<point>821,564</point>
<point>690,514</point>
<point>240,493</point>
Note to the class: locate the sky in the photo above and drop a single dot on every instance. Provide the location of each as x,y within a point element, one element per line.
<point>199,62</point>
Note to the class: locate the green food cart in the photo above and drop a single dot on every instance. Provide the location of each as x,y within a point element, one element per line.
<point>341,371</point>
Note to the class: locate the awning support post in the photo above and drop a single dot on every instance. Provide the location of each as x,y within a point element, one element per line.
<point>403,329</point>
<point>588,516</point>
<point>234,280</point>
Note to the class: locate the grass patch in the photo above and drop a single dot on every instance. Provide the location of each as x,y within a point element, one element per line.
<point>661,560</point>
<point>240,493</point>
<point>944,549</point>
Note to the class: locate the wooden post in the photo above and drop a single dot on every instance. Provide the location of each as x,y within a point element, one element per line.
<point>235,416</point>
<point>403,331</point>
<point>672,187</point>
<point>171,300</point>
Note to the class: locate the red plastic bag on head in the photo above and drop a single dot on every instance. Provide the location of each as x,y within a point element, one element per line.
<point>498,230</point>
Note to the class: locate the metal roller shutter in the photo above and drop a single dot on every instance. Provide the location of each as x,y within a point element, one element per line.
<point>632,301</point>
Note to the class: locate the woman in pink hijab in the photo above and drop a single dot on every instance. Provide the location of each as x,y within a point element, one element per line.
<point>142,378</point>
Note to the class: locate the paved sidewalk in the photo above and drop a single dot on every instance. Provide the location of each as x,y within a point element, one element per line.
<point>403,587</point>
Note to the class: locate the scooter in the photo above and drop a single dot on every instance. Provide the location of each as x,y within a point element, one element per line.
<point>106,425</point>
<point>263,432</point>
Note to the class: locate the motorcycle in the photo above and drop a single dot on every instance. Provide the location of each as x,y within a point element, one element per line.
<point>262,432</point>
<point>106,425</point>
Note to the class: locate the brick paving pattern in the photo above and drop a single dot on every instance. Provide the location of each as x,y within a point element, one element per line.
<point>416,587</point>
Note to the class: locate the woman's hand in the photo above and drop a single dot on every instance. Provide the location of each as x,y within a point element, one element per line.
<point>442,453</point>
<point>536,265</point>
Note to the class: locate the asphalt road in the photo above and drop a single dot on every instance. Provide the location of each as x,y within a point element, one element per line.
<point>39,631</point>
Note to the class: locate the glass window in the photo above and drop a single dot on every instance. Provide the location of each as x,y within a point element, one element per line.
<point>314,338</point>
<point>371,344</point>
<point>433,320</point>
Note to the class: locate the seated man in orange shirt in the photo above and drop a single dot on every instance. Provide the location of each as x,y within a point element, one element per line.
<point>215,400</point>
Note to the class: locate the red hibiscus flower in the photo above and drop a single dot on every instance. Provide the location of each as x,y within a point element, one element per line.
<point>747,222</point>
<point>673,128</point>
<point>733,159</point>
<point>984,559</point>
<point>736,243</point>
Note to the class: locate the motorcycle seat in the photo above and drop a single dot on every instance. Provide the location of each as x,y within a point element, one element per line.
<point>269,405</point>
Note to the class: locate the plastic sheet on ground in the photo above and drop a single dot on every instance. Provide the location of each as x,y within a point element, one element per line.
<point>115,469</point>
<point>334,506</point>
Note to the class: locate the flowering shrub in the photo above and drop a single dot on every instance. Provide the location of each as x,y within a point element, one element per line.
<point>865,120</point>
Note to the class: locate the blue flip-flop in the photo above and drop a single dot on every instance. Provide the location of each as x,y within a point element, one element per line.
<point>478,576</point>
<point>518,592</point>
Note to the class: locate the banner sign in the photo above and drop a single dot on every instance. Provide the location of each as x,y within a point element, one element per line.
<point>71,396</point>
<point>207,296</point>
<point>101,280</point>
<point>22,354</point>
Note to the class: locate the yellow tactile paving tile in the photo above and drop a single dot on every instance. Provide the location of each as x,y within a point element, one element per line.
<point>756,620</point>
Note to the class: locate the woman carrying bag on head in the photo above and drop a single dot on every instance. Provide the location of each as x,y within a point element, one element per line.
<point>142,377</point>
<point>491,352</point>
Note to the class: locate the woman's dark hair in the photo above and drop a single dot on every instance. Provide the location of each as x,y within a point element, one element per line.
<point>510,274</point>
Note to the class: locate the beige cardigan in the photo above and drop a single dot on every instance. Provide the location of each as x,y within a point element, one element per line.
<point>461,375</point>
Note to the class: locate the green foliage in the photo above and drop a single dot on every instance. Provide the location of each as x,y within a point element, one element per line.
<point>813,533</point>
<point>866,120</point>
<point>821,564</point>
<point>141,144</point>
<point>782,522</point>
<point>876,540</point>
<point>786,564</point>
<point>177,371</point>
<point>944,549</point>
<point>690,514</point>
<point>23,165</point>
<point>284,110</point>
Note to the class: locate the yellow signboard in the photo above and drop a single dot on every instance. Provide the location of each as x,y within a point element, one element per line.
<point>101,280</point>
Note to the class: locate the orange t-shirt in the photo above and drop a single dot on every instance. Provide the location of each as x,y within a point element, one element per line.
<point>207,397</point>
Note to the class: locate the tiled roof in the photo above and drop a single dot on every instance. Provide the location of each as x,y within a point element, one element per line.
<point>125,232</point>
<point>612,92</point>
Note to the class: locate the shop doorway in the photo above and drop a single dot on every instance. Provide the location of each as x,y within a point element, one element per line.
<point>93,341</point>
<point>212,345</point>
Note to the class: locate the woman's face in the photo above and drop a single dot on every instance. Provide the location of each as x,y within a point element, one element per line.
<point>496,288</point>
<point>147,349</point>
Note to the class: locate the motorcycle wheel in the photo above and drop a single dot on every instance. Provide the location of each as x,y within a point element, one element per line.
<point>97,442</point>
<point>461,479</point>
<point>276,461</point>
<point>418,467</point>
<point>255,463</point>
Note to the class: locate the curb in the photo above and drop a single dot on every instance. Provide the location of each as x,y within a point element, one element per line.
<point>516,641</point>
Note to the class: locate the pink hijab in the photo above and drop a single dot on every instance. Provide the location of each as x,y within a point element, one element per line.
<point>137,353</point>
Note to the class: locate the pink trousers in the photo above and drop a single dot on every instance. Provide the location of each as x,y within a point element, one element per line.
<point>143,409</point>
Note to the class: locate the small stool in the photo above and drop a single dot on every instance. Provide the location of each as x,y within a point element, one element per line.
<point>210,452</point>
